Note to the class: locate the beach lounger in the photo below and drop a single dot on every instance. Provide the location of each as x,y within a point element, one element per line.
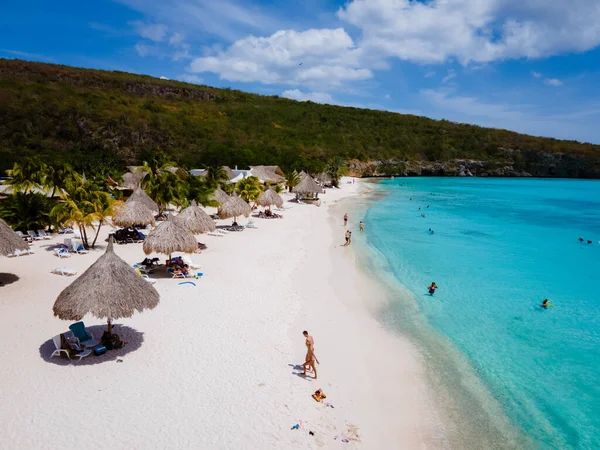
<point>23,236</point>
<point>238,228</point>
<point>18,253</point>
<point>86,338</point>
<point>62,253</point>
<point>34,236</point>
<point>192,265</point>
<point>148,279</point>
<point>81,250</point>
<point>43,234</point>
<point>214,233</point>
<point>82,353</point>
<point>64,271</point>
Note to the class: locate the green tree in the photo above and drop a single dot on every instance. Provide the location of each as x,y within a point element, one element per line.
<point>56,177</point>
<point>161,184</point>
<point>216,175</point>
<point>26,211</point>
<point>201,190</point>
<point>292,179</point>
<point>278,188</point>
<point>336,168</point>
<point>249,189</point>
<point>27,175</point>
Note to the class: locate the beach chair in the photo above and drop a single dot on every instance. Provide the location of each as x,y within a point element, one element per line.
<point>43,234</point>
<point>192,265</point>
<point>62,253</point>
<point>214,233</point>
<point>64,271</point>
<point>59,349</point>
<point>85,338</point>
<point>175,275</point>
<point>81,250</point>
<point>23,236</point>
<point>34,236</point>
<point>148,279</point>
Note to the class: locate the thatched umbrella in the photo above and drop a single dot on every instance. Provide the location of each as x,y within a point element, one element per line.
<point>109,289</point>
<point>324,178</point>
<point>132,180</point>
<point>220,196</point>
<point>307,186</point>
<point>194,219</point>
<point>9,240</point>
<point>140,196</point>
<point>169,237</point>
<point>234,207</point>
<point>270,197</point>
<point>132,213</point>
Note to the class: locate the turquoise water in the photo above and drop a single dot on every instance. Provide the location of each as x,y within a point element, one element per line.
<point>500,247</point>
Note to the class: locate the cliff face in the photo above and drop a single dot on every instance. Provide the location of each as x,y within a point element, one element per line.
<point>519,164</point>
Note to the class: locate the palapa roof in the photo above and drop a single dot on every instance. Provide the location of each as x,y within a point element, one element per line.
<point>139,195</point>
<point>307,186</point>
<point>267,173</point>
<point>132,180</point>
<point>132,213</point>
<point>229,172</point>
<point>9,240</point>
<point>270,197</point>
<point>109,289</point>
<point>170,237</point>
<point>324,178</point>
<point>220,196</point>
<point>234,207</point>
<point>194,219</point>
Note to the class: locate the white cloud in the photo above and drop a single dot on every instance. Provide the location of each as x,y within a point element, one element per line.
<point>163,78</point>
<point>154,32</point>
<point>536,74</point>
<point>430,74</point>
<point>451,75</point>
<point>317,97</point>
<point>473,30</point>
<point>181,54</point>
<point>176,39</point>
<point>143,50</point>
<point>553,82</point>
<point>190,78</point>
<point>312,57</point>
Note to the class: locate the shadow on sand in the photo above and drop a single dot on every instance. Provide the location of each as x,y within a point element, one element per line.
<point>7,278</point>
<point>131,337</point>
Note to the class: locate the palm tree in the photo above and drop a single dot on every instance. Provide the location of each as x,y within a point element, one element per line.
<point>101,208</point>
<point>27,175</point>
<point>216,175</point>
<point>162,185</point>
<point>336,168</point>
<point>278,188</point>
<point>26,211</point>
<point>249,189</point>
<point>201,190</point>
<point>292,179</point>
<point>57,176</point>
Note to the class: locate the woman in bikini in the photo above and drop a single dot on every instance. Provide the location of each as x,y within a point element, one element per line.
<point>310,359</point>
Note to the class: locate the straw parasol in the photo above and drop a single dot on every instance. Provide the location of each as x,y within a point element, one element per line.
<point>140,196</point>
<point>9,240</point>
<point>234,207</point>
<point>270,197</point>
<point>132,213</point>
<point>220,196</point>
<point>324,178</point>
<point>194,219</point>
<point>132,180</point>
<point>307,186</point>
<point>109,289</point>
<point>169,237</point>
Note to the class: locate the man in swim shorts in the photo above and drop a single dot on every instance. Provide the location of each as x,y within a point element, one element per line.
<point>309,362</point>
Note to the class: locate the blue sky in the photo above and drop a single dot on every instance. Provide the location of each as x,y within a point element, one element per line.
<point>531,66</point>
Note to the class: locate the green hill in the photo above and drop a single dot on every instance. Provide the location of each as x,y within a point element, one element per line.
<point>90,118</point>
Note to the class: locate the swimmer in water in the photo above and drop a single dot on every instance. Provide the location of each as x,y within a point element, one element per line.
<point>580,239</point>
<point>432,288</point>
<point>546,303</point>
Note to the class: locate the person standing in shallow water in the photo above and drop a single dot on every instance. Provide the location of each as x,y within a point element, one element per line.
<point>345,219</point>
<point>432,288</point>
<point>361,226</point>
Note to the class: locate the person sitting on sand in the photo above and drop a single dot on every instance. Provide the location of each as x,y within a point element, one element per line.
<point>345,219</point>
<point>432,288</point>
<point>361,226</point>
<point>309,361</point>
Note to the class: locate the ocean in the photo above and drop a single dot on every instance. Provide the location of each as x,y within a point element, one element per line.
<point>516,375</point>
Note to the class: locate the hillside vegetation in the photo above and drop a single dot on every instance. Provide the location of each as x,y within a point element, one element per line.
<point>92,118</point>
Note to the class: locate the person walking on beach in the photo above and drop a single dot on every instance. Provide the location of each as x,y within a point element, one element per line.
<point>347,237</point>
<point>345,219</point>
<point>309,361</point>
<point>361,226</point>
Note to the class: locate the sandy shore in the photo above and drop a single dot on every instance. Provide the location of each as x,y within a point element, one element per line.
<point>216,365</point>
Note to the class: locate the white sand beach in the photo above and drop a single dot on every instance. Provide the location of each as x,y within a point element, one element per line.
<point>216,365</point>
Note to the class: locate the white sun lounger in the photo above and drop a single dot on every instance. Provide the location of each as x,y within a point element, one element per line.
<point>59,350</point>
<point>148,279</point>
<point>214,233</point>
<point>64,271</point>
<point>43,234</point>
<point>62,253</point>
<point>34,236</point>
<point>187,260</point>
